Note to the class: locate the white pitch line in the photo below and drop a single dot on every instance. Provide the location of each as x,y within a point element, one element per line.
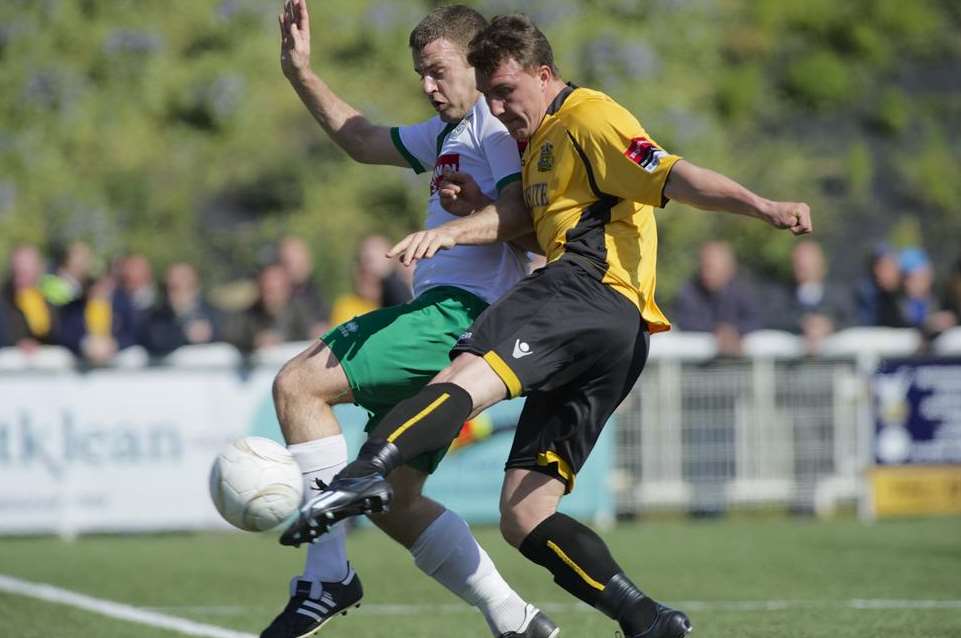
<point>447,609</point>
<point>115,610</point>
<point>905,604</point>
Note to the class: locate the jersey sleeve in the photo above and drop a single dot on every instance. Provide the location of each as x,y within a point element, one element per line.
<point>622,158</point>
<point>502,154</point>
<point>418,143</point>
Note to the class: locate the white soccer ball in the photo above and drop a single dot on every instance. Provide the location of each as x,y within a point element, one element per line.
<point>256,484</point>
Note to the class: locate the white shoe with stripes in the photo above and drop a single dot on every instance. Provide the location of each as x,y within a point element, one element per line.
<point>313,604</point>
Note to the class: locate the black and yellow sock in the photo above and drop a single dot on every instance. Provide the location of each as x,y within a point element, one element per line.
<point>582,564</point>
<point>428,421</point>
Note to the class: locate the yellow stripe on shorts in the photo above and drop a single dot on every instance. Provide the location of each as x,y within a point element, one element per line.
<point>501,369</point>
<point>563,468</point>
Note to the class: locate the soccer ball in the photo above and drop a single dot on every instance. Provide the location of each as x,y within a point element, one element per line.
<point>256,484</point>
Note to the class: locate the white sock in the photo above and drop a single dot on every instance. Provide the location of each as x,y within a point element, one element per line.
<point>322,459</point>
<point>448,552</point>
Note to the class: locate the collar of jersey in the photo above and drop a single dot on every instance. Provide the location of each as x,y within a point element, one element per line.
<point>556,103</point>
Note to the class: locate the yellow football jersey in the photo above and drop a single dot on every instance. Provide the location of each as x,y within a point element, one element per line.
<point>348,306</point>
<point>592,177</point>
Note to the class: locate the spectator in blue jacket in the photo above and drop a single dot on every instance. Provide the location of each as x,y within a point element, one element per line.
<point>920,305</point>
<point>878,296</point>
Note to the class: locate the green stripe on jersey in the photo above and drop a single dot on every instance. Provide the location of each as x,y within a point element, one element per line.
<point>414,164</point>
<point>443,134</point>
<point>513,177</point>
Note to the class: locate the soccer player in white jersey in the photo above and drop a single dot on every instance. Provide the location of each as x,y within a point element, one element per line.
<point>385,356</point>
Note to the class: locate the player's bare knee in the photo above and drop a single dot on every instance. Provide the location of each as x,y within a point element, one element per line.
<point>284,386</point>
<point>516,524</point>
<point>303,376</point>
<point>511,530</point>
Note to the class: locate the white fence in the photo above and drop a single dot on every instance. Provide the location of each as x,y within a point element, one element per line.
<point>697,433</point>
<point>703,437</point>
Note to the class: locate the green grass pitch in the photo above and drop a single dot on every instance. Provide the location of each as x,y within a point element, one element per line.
<point>741,578</point>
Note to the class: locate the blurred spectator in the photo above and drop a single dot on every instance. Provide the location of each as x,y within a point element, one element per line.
<point>878,296</point>
<point>917,279</point>
<point>71,275</point>
<point>396,282</point>
<point>184,317</point>
<point>397,287</point>
<point>5,340</point>
<point>374,280</point>
<point>274,317</point>
<point>295,257</point>
<point>919,304</point>
<point>30,319</point>
<point>136,294</point>
<point>98,324</point>
<point>952,293</point>
<point>812,305</point>
<point>716,301</point>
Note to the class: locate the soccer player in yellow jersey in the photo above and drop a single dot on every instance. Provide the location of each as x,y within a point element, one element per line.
<point>572,337</point>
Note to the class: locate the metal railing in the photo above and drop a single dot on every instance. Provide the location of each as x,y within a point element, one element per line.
<point>705,437</point>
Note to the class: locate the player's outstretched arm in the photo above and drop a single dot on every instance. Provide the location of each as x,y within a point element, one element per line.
<point>460,195</point>
<point>708,190</point>
<point>503,220</point>
<point>347,127</point>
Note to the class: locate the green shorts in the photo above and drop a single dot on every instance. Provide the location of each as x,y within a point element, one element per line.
<point>391,353</point>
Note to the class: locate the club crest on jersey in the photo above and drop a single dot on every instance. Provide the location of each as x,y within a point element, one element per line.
<point>446,163</point>
<point>460,126</point>
<point>545,163</point>
<point>645,154</point>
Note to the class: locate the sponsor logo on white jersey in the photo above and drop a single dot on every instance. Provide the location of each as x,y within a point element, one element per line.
<point>446,163</point>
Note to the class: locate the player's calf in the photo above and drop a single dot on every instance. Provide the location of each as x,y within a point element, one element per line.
<point>582,564</point>
<point>410,511</point>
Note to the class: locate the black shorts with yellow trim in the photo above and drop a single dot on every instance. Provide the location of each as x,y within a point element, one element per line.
<point>574,347</point>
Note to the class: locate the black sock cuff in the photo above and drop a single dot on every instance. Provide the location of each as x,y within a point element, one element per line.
<point>557,527</point>
<point>384,456</point>
<point>574,554</point>
<point>534,544</point>
<point>612,592</point>
<point>460,400</point>
<point>426,422</point>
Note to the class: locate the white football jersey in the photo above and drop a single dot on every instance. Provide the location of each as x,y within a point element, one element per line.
<point>480,146</point>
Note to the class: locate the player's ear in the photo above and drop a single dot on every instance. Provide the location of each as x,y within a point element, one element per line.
<point>544,74</point>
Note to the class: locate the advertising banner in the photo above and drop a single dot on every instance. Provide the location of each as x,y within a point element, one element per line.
<point>917,444</point>
<point>121,450</point>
